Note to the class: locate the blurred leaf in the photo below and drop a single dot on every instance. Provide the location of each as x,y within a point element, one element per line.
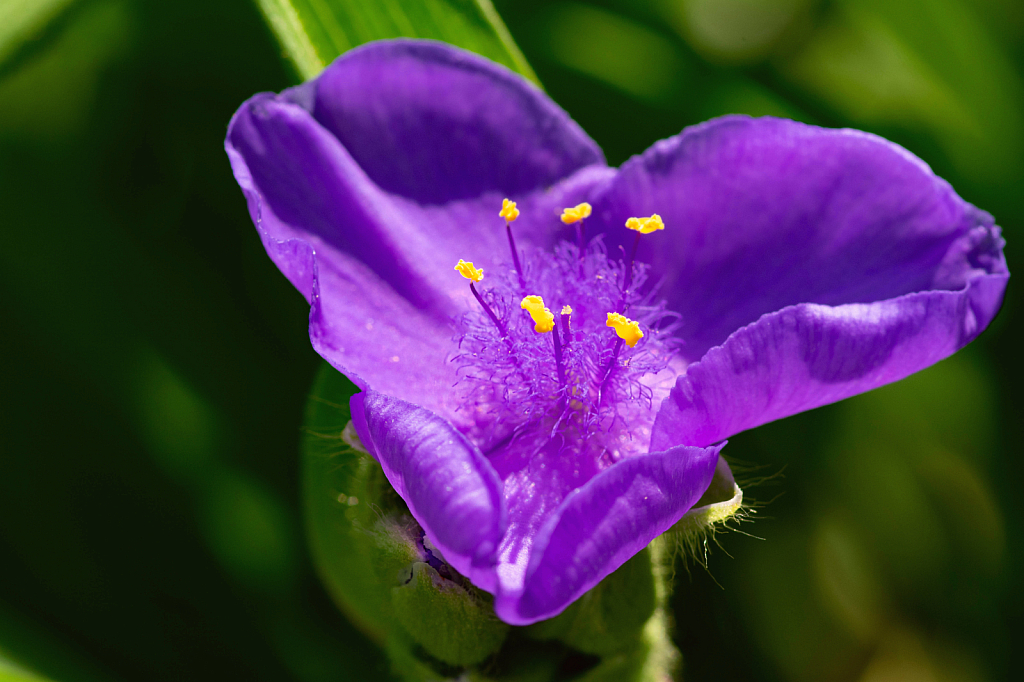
<point>32,652</point>
<point>51,93</point>
<point>23,20</point>
<point>918,65</point>
<point>735,31</point>
<point>17,675</point>
<point>601,44</point>
<point>12,672</point>
<point>314,32</point>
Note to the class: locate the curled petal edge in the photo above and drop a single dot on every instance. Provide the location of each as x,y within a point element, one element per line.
<point>808,355</point>
<point>451,489</point>
<point>602,524</point>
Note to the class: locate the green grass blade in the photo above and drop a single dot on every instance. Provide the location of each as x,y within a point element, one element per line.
<point>313,32</point>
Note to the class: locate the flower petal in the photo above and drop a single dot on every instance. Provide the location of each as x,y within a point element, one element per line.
<point>450,487</point>
<point>761,214</point>
<point>809,355</point>
<point>435,124</point>
<point>602,524</point>
<point>368,183</point>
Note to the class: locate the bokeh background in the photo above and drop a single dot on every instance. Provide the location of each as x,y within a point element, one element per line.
<point>154,364</point>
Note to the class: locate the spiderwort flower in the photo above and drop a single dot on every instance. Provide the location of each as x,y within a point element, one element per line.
<point>781,267</point>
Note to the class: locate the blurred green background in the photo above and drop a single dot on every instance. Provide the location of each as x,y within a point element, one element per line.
<point>154,364</point>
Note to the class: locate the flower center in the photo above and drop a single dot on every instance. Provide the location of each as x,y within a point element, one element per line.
<point>587,378</point>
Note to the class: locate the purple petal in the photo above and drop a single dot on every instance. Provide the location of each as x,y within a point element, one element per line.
<point>366,203</point>
<point>436,124</point>
<point>767,213</point>
<point>602,524</point>
<point>809,355</point>
<point>450,487</point>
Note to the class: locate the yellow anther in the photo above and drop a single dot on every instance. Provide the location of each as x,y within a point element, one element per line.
<point>576,213</point>
<point>646,225</point>
<point>508,210</point>
<point>567,310</point>
<point>627,329</point>
<point>469,271</point>
<point>542,316</point>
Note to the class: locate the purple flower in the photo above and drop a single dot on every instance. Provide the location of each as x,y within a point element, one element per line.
<point>797,266</point>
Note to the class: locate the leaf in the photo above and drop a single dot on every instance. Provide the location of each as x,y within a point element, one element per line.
<point>314,32</point>
<point>12,672</point>
<point>921,66</point>
<point>24,20</point>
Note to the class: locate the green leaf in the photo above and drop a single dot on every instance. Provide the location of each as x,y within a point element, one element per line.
<point>314,32</point>
<point>12,672</point>
<point>923,66</point>
<point>22,21</point>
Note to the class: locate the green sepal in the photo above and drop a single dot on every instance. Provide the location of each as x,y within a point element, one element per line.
<point>720,502</point>
<point>368,550</point>
<point>453,624</point>
<point>370,554</point>
<point>611,617</point>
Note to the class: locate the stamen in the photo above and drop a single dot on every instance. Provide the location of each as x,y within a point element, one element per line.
<point>576,214</point>
<point>566,318</point>
<point>587,388</point>
<point>646,225</point>
<point>628,330</point>
<point>544,319</point>
<point>545,322</point>
<point>640,226</point>
<point>558,356</point>
<point>469,271</point>
<point>474,275</point>
<point>509,212</point>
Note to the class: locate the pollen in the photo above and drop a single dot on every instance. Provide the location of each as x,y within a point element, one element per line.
<point>576,213</point>
<point>508,210</point>
<point>646,225</point>
<point>544,319</point>
<point>627,329</point>
<point>567,310</point>
<point>469,271</point>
